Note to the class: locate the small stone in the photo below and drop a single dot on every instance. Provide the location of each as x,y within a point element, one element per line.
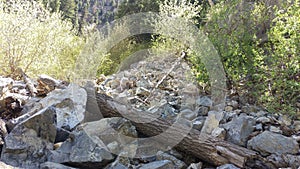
<point>249,108</point>
<point>261,113</point>
<point>234,104</point>
<point>198,123</point>
<point>263,120</point>
<point>48,165</point>
<point>212,122</point>
<point>164,164</point>
<point>204,101</point>
<point>228,166</point>
<point>188,114</point>
<point>5,166</point>
<point>285,120</point>
<point>297,125</point>
<point>165,156</point>
<point>219,133</point>
<point>195,166</point>
<point>228,108</point>
<point>203,111</point>
<point>275,129</point>
<point>259,127</point>
<point>238,111</point>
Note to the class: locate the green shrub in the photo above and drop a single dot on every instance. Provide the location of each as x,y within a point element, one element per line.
<point>280,60</point>
<point>35,40</point>
<point>259,47</point>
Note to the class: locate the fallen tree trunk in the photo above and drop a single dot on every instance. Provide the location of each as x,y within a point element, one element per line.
<point>206,148</point>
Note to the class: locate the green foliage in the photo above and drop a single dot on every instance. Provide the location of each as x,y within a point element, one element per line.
<point>35,40</point>
<point>259,47</point>
<point>280,61</point>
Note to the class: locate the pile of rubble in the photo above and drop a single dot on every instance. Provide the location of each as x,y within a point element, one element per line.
<point>64,126</point>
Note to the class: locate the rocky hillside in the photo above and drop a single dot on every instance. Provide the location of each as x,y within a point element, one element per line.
<point>47,123</point>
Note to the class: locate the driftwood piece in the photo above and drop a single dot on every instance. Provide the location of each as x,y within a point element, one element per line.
<point>206,148</point>
<point>28,81</point>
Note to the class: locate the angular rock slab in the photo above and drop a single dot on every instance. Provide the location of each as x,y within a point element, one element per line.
<point>81,151</point>
<point>70,104</point>
<point>28,143</point>
<point>163,164</point>
<point>272,143</point>
<point>117,133</point>
<point>239,129</point>
<point>51,165</point>
<point>212,122</point>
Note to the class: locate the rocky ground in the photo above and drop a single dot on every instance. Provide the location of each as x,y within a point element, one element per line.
<point>48,123</point>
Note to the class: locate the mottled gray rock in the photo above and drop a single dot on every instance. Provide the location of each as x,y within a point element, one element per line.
<point>51,165</point>
<point>259,127</point>
<point>165,156</point>
<point>233,103</point>
<point>5,166</point>
<point>285,120</point>
<point>82,151</point>
<point>227,166</point>
<point>195,166</point>
<point>204,101</point>
<point>284,161</point>
<point>28,143</point>
<point>212,122</point>
<point>275,129</point>
<point>188,114</point>
<point>292,160</point>
<point>198,123</point>
<point>272,143</point>
<point>228,108</point>
<point>116,166</point>
<point>203,111</point>
<point>250,109</point>
<point>239,129</point>
<point>261,113</point>
<point>70,105</point>
<point>263,120</point>
<point>296,125</point>
<point>117,133</point>
<point>164,164</point>
<point>219,133</point>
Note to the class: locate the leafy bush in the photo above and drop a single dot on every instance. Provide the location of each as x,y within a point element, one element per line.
<point>280,70</point>
<point>35,40</point>
<point>259,46</point>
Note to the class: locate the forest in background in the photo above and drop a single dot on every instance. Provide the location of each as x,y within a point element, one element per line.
<point>258,41</point>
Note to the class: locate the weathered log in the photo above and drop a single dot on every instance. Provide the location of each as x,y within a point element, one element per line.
<point>212,150</point>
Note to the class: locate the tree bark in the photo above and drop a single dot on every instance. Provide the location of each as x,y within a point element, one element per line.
<point>209,149</point>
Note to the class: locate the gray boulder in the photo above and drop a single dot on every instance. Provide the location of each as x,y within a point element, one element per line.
<point>51,165</point>
<point>117,133</point>
<point>163,164</point>
<point>81,151</point>
<point>5,166</point>
<point>272,143</point>
<point>228,166</point>
<point>239,129</point>
<point>70,105</point>
<point>165,156</point>
<point>28,143</point>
